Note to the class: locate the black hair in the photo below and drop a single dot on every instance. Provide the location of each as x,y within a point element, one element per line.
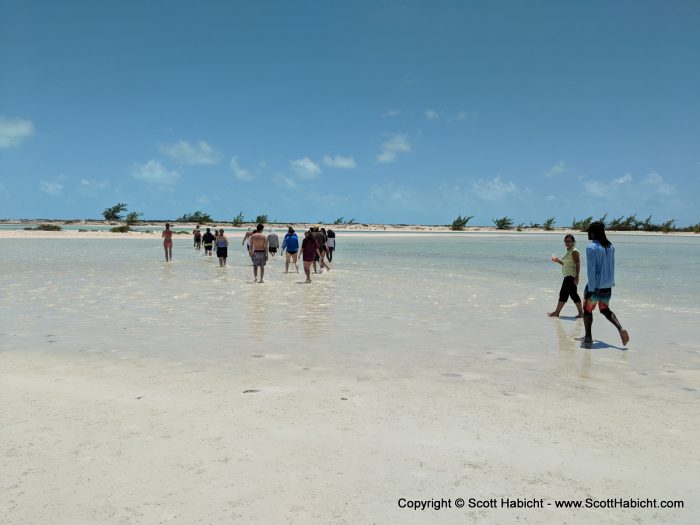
<point>597,232</point>
<point>573,239</point>
<point>260,227</point>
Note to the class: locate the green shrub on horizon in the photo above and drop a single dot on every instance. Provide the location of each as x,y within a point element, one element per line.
<point>115,212</point>
<point>238,219</point>
<point>504,223</point>
<point>460,222</point>
<point>199,217</point>
<point>261,219</point>
<point>549,224</point>
<point>48,227</point>
<point>120,229</point>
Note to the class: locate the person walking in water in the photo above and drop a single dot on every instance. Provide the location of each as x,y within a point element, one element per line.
<point>309,251</point>
<point>258,252</point>
<point>246,238</point>
<point>222,247</point>
<point>197,238</point>
<point>167,236</point>
<point>208,241</point>
<point>291,244</point>
<point>600,266</point>
<point>273,242</point>
<point>330,242</point>
<point>570,269</point>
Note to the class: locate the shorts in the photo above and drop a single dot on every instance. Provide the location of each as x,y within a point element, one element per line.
<point>602,296</point>
<point>222,251</point>
<point>292,253</point>
<point>258,259</point>
<point>207,246</point>
<point>273,250</point>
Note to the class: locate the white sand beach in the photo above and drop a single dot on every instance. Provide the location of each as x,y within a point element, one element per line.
<point>421,368</point>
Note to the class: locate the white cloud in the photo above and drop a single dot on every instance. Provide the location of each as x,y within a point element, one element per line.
<point>92,187</point>
<point>305,168</point>
<point>494,189</point>
<point>558,169</point>
<point>339,162</point>
<point>14,131</point>
<point>391,113</point>
<point>186,153</point>
<point>287,182</point>
<point>240,172</point>
<point>51,188</point>
<point>461,115</point>
<point>154,172</point>
<point>656,183</point>
<point>601,189</point>
<point>396,144</point>
<point>431,114</point>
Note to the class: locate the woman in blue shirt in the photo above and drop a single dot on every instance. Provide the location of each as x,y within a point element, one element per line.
<point>291,244</point>
<point>600,255</point>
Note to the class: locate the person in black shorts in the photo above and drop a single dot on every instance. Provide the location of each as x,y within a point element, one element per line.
<point>208,241</point>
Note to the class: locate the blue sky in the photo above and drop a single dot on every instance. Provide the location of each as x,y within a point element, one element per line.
<point>401,112</point>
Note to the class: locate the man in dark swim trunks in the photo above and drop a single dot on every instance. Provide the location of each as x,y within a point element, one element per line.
<point>208,241</point>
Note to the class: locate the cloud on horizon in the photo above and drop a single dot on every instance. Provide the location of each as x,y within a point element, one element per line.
<point>185,153</point>
<point>14,131</point>
<point>51,188</point>
<point>306,168</point>
<point>244,174</point>
<point>494,189</point>
<point>153,172</point>
<point>397,143</point>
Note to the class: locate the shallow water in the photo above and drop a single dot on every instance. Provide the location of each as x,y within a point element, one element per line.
<point>387,298</point>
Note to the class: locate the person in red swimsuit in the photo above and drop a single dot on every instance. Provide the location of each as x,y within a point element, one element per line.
<point>167,236</point>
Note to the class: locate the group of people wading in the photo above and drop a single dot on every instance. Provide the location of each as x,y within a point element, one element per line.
<point>316,247</point>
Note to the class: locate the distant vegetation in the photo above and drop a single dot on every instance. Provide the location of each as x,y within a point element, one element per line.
<point>115,212</point>
<point>460,222</point>
<point>261,219</point>
<point>341,220</point>
<point>199,217</point>
<point>631,223</point>
<point>238,219</point>
<point>549,223</point>
<point>504,223</point>
<point>45,228</point>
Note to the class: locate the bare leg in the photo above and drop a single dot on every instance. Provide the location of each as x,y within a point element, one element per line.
<point>296,261</point>
<point>580,309</point>
<point>610,316</point>
<point>255,273</point>
<point>262,274</point>
<point>557,310</point>
<point>307,270</point>
<point>588,325</point>
<point>286,263</point>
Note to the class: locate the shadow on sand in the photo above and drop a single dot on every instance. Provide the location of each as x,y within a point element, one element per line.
<point>601,345</point>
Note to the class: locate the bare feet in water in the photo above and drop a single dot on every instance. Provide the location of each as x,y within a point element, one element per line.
<point>552,314</point>
<point>625,337</point>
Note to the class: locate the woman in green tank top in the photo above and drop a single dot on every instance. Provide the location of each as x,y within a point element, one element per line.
<point>570,268</point>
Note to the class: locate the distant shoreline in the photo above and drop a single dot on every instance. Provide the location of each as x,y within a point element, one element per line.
<point>358,228</point>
